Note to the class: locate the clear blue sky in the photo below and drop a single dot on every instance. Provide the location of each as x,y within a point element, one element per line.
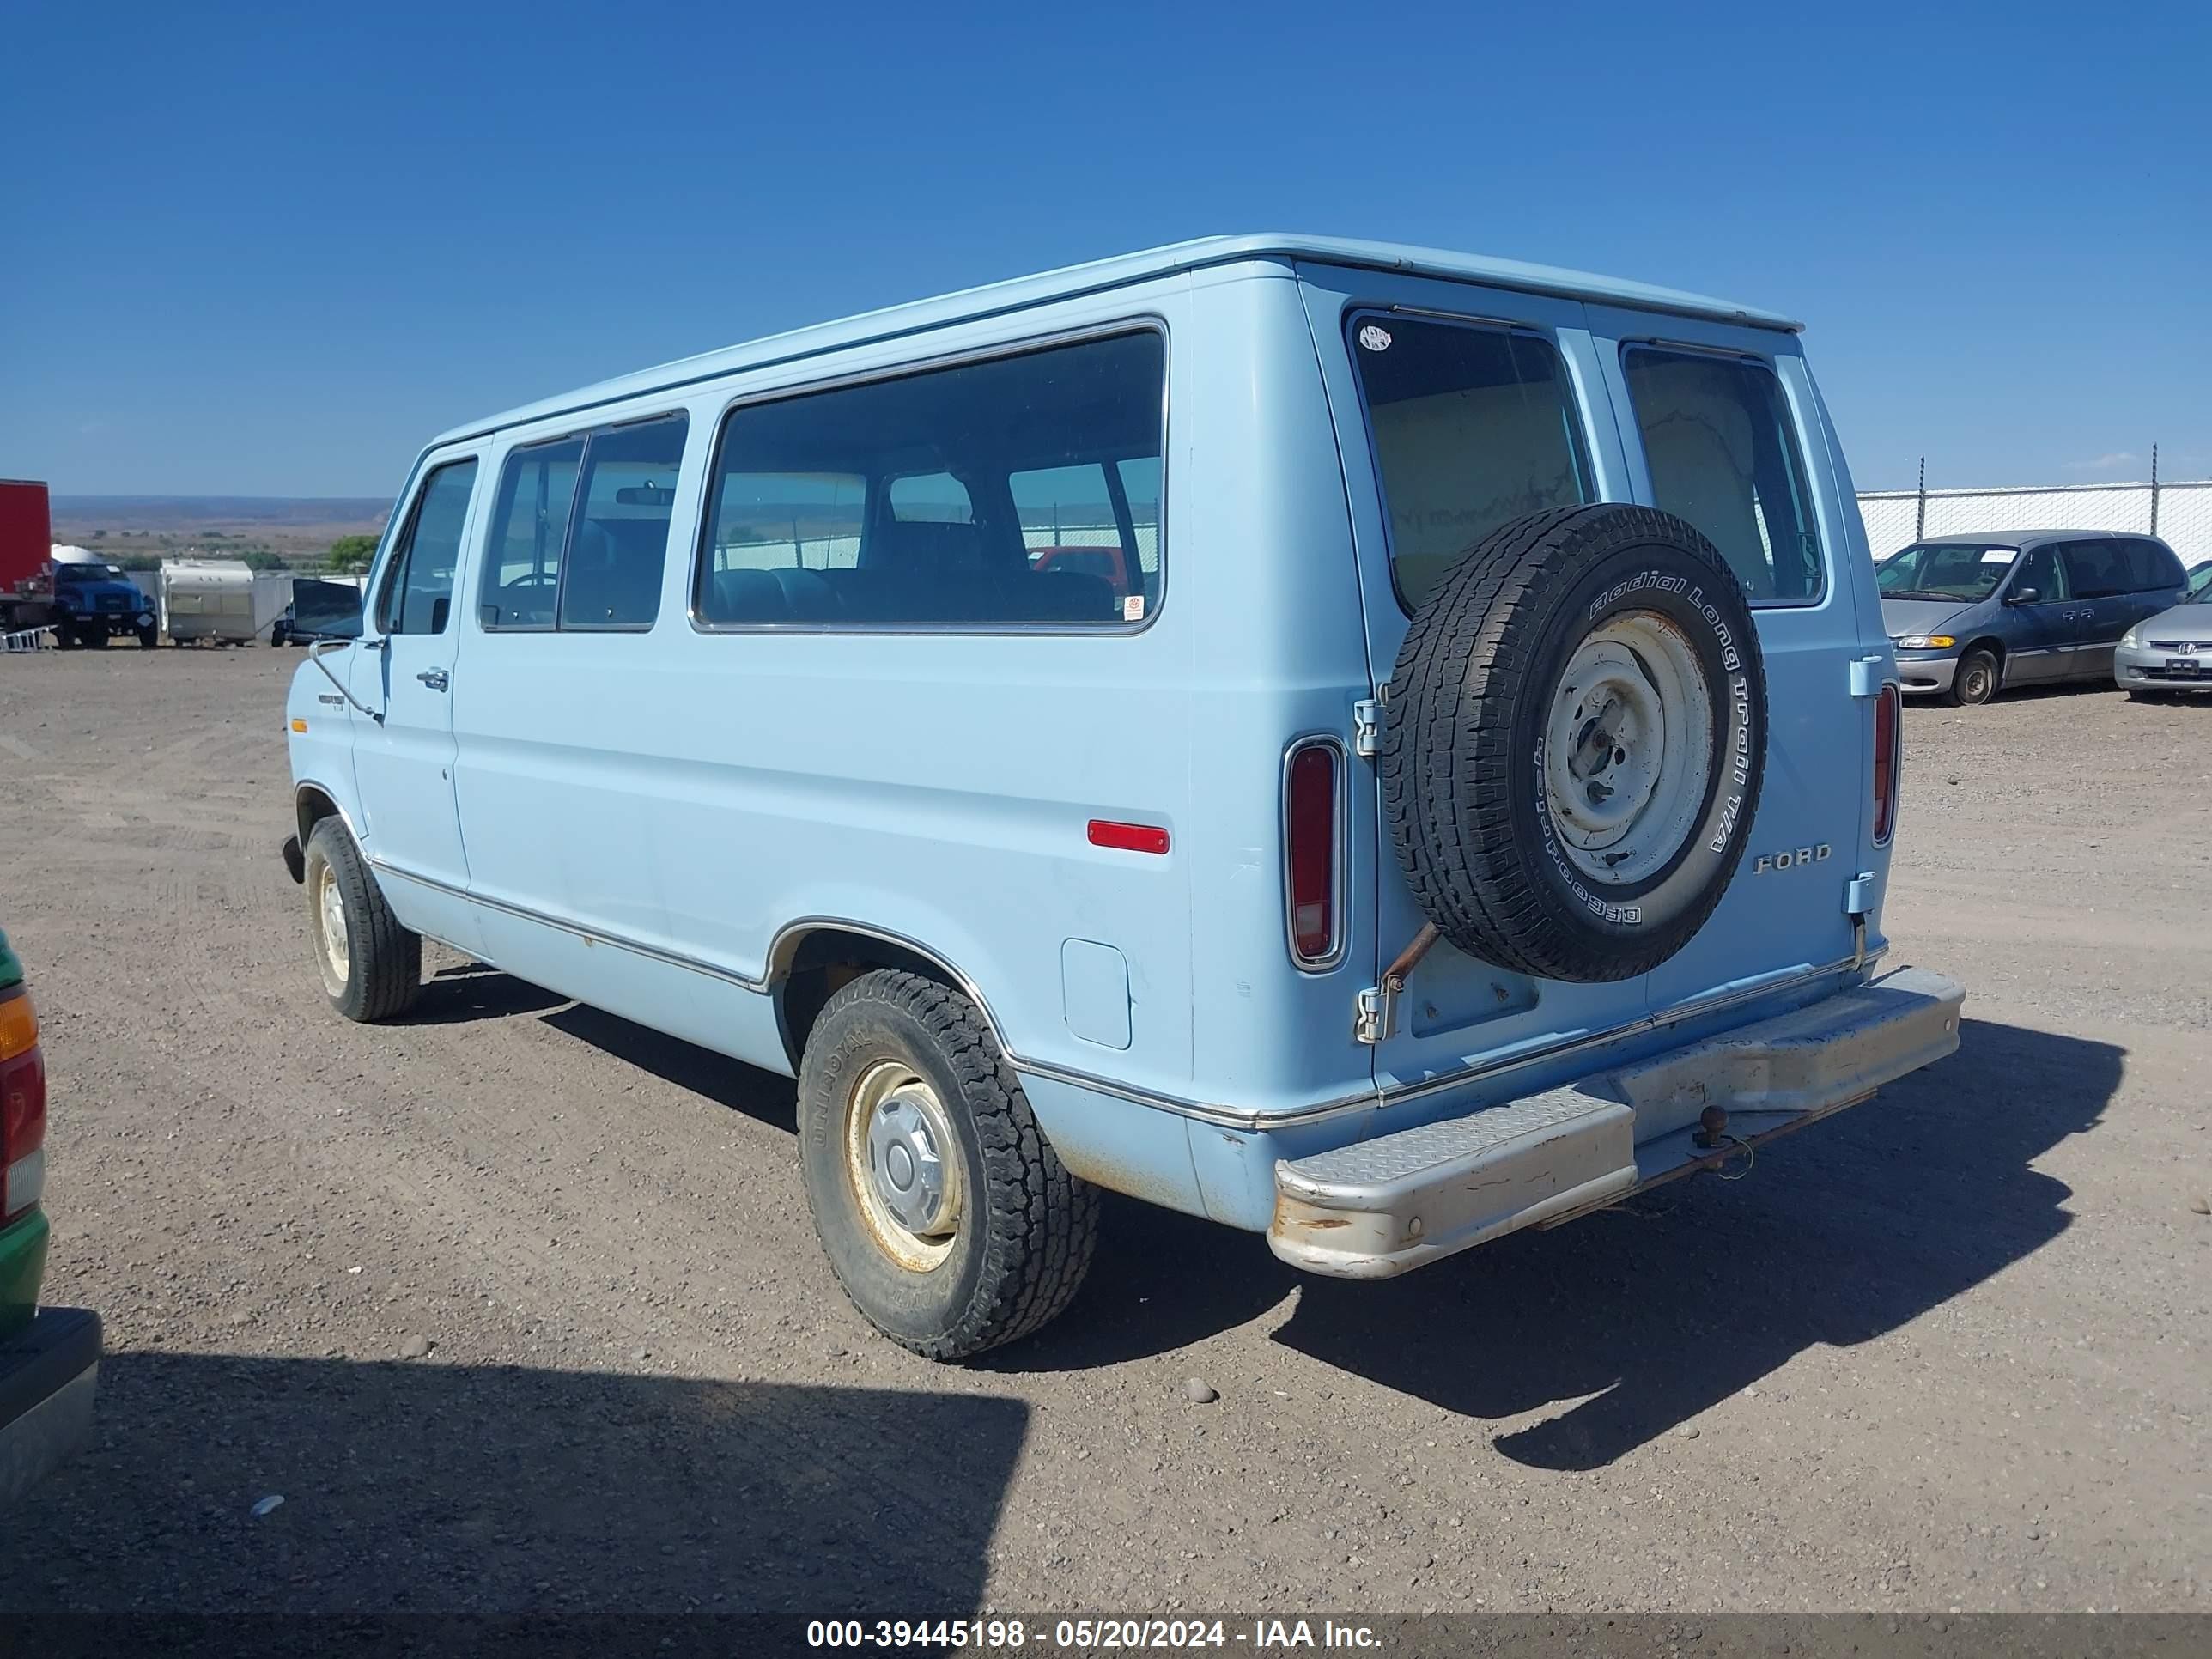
<point>270,251</point>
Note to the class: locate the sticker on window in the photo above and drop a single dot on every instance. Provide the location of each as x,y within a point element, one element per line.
<point>1133,608</point>
<point>1374,337</point>
<point>1998,555</point>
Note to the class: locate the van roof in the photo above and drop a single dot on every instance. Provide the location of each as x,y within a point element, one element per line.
<point>994,298</point>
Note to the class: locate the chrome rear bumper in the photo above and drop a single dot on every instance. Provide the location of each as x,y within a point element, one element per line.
<point>1387,1206</point>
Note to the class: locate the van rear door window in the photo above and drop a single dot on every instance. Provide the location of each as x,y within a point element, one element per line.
<point>1722,453</point>
<point>916,500</point>
<point>1474,428</point>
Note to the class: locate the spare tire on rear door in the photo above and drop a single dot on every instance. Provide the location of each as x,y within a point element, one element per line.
<point>1573,741</point>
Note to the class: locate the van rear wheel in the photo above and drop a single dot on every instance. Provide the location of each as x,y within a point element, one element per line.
<point>371,966</point>
<point>948,1219</point>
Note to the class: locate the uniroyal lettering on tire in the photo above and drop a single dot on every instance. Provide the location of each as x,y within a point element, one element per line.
<point>1573,742</point>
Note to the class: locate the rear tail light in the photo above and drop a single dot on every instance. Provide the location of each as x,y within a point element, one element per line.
<point>1312,814</point>
<point>1887,762</point>
<point>22,1106</point>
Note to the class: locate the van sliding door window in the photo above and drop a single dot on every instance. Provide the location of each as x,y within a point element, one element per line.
<point>580,532</point>
<point>619,544</point>
<point>529,529</point>
<point>1722,453</point>
<point>419,591</point>
<point>1473,427</point>
<point>1018,491</point>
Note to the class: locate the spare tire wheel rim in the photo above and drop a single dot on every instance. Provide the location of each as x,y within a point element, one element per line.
<point>1628,749</point>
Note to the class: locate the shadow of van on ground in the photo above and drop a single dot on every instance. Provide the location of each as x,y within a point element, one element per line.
<point>1648,1314</point>
<point>1657,1309</point>
<point>1663,1308</point>
<point>424,1486</point>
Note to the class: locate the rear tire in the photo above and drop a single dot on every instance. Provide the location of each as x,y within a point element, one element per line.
<point>1975,681</point>
<point>371,966</point>
<point>947,1216</point>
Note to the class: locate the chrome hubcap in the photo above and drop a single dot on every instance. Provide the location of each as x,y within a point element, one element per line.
<point>901,1159</point>
<point>1628,749</point>
<point>331,925</point>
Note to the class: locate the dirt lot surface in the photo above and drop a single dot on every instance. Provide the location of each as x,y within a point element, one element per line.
<point>1948,1351</point>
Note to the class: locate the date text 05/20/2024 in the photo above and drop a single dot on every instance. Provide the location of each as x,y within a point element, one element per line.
<point>1091,1635</point>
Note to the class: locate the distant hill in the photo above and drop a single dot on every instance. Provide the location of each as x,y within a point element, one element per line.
<point>298,529</point>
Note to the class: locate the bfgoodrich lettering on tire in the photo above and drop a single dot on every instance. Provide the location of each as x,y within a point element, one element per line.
<point>1573,742</point>
<point>947,1216</point>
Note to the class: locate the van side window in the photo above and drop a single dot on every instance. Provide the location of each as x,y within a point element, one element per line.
<point>2153,566</point>
<point>2039,571</point>
<point>619,544</point>
<point>1474,428</point>
<point>1139,484</point>
<point>529,528</point>
<point>418,592</point>
<point>580,530</point>
<point>2096,570</point>
<point>1722,453</point>
<point>1070,520</point>
<point>915,500</point>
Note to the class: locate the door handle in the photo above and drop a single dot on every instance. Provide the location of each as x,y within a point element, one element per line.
<point>434,678</point>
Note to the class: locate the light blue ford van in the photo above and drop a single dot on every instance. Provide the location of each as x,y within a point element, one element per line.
<point>1376,747</point>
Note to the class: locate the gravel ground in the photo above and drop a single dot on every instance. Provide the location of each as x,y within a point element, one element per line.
<point>517,1305</point>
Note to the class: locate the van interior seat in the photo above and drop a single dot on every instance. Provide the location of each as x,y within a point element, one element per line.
<point>614,571</point>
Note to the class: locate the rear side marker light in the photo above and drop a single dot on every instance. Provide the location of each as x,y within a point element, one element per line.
<point>23,1108</point>
<point>1128,837</point>
<point>1310,820</point>
<point>1887,762</point>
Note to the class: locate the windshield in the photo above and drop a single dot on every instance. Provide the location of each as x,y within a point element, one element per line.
<point>89,573</point>
<point>2200,582</point>
<point>326,607</point>
<point>1965,571</point>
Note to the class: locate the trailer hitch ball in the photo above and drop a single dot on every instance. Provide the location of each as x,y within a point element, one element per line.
<point>1712,1129</point>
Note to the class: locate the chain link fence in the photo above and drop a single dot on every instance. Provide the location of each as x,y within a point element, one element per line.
<point>2179,513</point>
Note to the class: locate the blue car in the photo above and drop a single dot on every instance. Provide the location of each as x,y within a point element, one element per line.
<point>1974,614</point>
<point>1376,747</point>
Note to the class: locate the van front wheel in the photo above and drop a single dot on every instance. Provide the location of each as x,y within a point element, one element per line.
<point>948,1219</point>
<point>371,966</point>
<point>1975,680</point>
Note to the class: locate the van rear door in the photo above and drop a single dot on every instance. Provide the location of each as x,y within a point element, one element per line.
<point>1458,407</point>
<point>1723,428</point>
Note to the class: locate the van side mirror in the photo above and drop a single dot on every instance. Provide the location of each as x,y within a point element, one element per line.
<point>2023,595</point>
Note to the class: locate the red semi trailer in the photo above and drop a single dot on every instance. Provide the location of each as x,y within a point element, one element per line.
<point>25,531</point>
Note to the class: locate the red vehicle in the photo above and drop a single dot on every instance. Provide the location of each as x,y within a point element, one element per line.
<point>25,531</point>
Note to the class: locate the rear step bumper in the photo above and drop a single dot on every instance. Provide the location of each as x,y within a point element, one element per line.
<point>1387,1206</point>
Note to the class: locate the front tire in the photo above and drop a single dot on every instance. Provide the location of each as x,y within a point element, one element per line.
<point>371,966</point>
<point>1975,681</point>
<point>948,1219</point>
<point>148,638</point>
